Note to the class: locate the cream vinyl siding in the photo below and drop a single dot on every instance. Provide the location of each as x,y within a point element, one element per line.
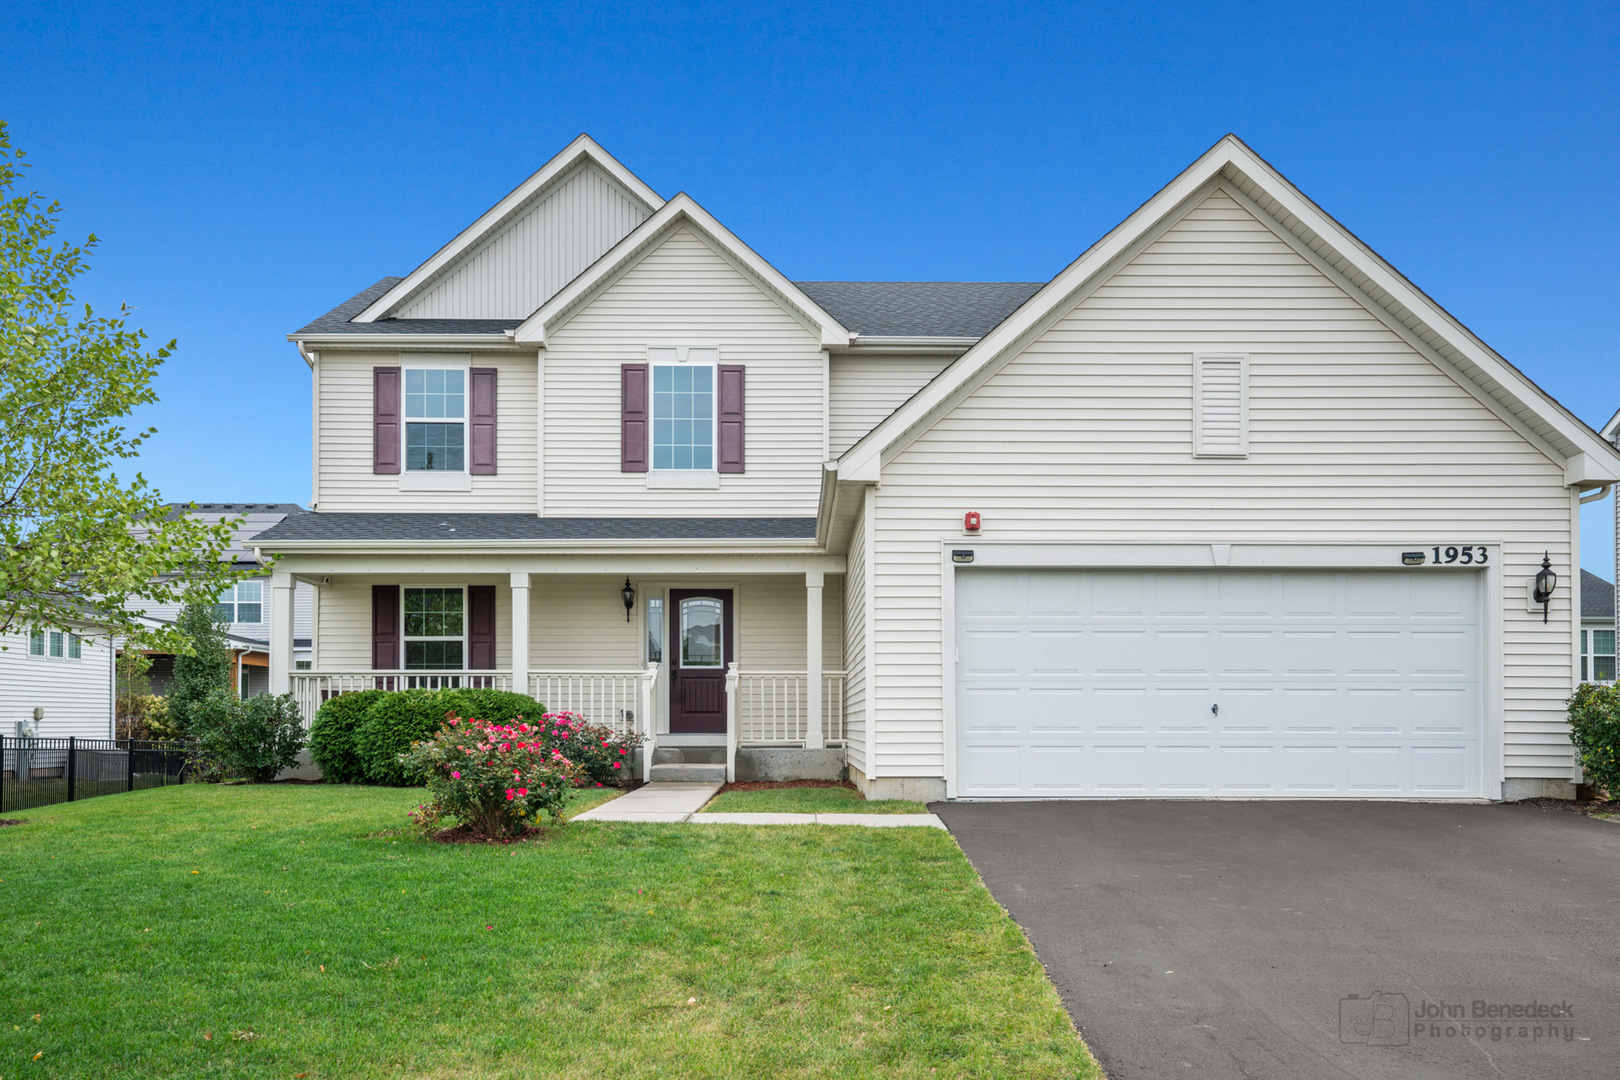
<point>343,441</point>
<point>866,389</point>
<point>1087,434</point>
<point>568,225</point>
<point>856,584</point>
<point>76,694</point>
<point>683,292</point>
<point>578,623</point>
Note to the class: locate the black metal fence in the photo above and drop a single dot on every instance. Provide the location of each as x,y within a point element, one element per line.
<point>39,772</point>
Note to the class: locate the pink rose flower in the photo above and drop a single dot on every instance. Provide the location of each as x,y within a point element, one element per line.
<point>455,776</point>
<point>523,791</point>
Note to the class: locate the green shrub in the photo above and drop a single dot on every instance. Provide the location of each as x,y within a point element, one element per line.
<point>332,735</point>
<point>253,739</point>
<point>492,706</point>
<point>1594,728</point>
<point>393,722</point>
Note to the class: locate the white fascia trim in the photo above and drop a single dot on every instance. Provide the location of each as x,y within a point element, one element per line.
<point>900,343</point>
<point>682,208</point>
<point>864,460</point>
<point>1611,430</point>
<point>388,342</point>
<point>550,547</point>
<point>491,219</point>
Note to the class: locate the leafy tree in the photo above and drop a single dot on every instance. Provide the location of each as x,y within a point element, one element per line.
<point>75,537</point>
<point>201,667</point>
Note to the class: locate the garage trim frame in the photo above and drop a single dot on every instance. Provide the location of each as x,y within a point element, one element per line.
<point>1032,554</point>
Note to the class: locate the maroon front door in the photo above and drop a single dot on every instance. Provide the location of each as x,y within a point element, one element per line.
<point>701,646</point>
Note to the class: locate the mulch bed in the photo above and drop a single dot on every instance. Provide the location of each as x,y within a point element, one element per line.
<point>12,821</point>
<point>1589,807</point>
<point>774,785</point>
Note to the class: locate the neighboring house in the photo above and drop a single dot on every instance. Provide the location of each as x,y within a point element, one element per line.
<point>245,607</point>
<point>67,674</point>
<point>1227,508</point>
<point>1597,629</point>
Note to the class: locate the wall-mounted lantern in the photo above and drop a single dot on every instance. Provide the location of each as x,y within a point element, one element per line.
<point>1546,582</point>
<point>628,594</point>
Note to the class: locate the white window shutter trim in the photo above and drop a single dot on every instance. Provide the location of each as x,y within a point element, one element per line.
<point>1221,405</point>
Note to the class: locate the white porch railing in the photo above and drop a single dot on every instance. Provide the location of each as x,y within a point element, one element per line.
<point>606,697</point>
<point>311,688</point>
<point>772,707</point>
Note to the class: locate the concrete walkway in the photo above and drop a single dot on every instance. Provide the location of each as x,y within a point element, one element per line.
<point>670,801</point>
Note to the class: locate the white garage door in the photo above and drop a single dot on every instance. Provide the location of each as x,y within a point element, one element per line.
<point>1233,683</point>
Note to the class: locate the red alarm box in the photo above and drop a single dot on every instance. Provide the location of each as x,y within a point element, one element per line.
<point>970,521</point>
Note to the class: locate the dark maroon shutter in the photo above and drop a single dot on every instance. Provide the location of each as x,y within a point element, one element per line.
<point>385,625</point>
<point>385,419</point>
<point>482,460</point>
<point>632,417</point>
<point>731,418</point>
<point>480,627</point>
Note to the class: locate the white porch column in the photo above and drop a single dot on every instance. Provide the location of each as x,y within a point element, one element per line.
<point>281,632</point>
<point>813,582</point>
<point>520,632</point>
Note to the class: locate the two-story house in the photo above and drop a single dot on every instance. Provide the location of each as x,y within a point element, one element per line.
<point>1228,507</point>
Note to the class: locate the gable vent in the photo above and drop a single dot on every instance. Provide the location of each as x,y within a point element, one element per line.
<point>1220,405</point>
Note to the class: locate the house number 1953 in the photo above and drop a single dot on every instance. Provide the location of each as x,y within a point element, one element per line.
<point>1476,554</point>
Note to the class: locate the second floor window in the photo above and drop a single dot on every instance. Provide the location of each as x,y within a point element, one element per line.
<point>435,419</point>
<point>242,603</point>
<point>683,416</point>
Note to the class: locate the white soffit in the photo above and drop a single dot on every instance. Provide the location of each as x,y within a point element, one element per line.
<point>682,209</point>
<point>1381,286</point>
<point>496,217</point>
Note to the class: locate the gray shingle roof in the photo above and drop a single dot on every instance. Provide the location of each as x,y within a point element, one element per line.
<point>964,309</point>
<point>967,309</point>
<point>454,527</point>
<point>337,321</point>
<point>1597,597</point>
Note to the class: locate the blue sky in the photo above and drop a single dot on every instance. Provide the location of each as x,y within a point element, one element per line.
<point>247,168</point>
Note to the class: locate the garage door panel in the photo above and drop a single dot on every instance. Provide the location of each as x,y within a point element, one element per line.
<point>1102,683</point>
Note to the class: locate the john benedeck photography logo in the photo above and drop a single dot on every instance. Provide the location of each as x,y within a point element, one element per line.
<point>1384,1019</point>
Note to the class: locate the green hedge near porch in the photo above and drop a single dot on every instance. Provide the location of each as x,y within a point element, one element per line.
<point>358,737</point>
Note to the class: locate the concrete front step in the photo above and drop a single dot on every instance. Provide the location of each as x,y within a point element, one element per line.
<point>689,755</point>
<point>689,773</point>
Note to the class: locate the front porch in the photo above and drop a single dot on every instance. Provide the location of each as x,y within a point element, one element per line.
<point>706,668</point>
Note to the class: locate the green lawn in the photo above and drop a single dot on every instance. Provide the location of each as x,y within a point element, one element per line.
<point>279,931</point>
<point>807,800</point>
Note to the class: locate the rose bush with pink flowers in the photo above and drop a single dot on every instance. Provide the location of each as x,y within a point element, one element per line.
<point>497,778</point>
<point>601,755</point>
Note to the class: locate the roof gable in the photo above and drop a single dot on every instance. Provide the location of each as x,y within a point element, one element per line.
<point>528,245</point>
<point>681,211</point>
<point>1234,168</point>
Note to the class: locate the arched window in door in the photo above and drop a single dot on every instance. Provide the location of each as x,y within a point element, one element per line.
<point>701,630</point>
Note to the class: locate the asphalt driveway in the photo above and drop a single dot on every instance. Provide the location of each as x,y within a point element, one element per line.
<point>1303,940</point>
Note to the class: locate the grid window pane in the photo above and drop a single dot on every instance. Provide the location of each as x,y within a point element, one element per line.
<point>250,613</point>
<point>1603,668</point>
<point>433,655</point>
<point>433,613</point>
<point>683,417</point>
<point>250,590</point>
<point>36,643</point>
<point>75,648</point>
<point>434,447</point>
<point>655,630</point>
<point>432,394</point>
<point>56,643</point>
<point>1603,643</point>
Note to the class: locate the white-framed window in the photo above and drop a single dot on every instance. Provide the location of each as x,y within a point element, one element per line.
<point>1597,656</point>
<point>303,665</point>
<point>1220,405</point>
<point>75,647</point>
<point>655,629</point>
<point>435,417</point>
<point>683,409</point>
<point>435,628</point>
<point>58,644</point>
<point>55,644</point>
<point>36,643</point>
<point>241,603</point>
